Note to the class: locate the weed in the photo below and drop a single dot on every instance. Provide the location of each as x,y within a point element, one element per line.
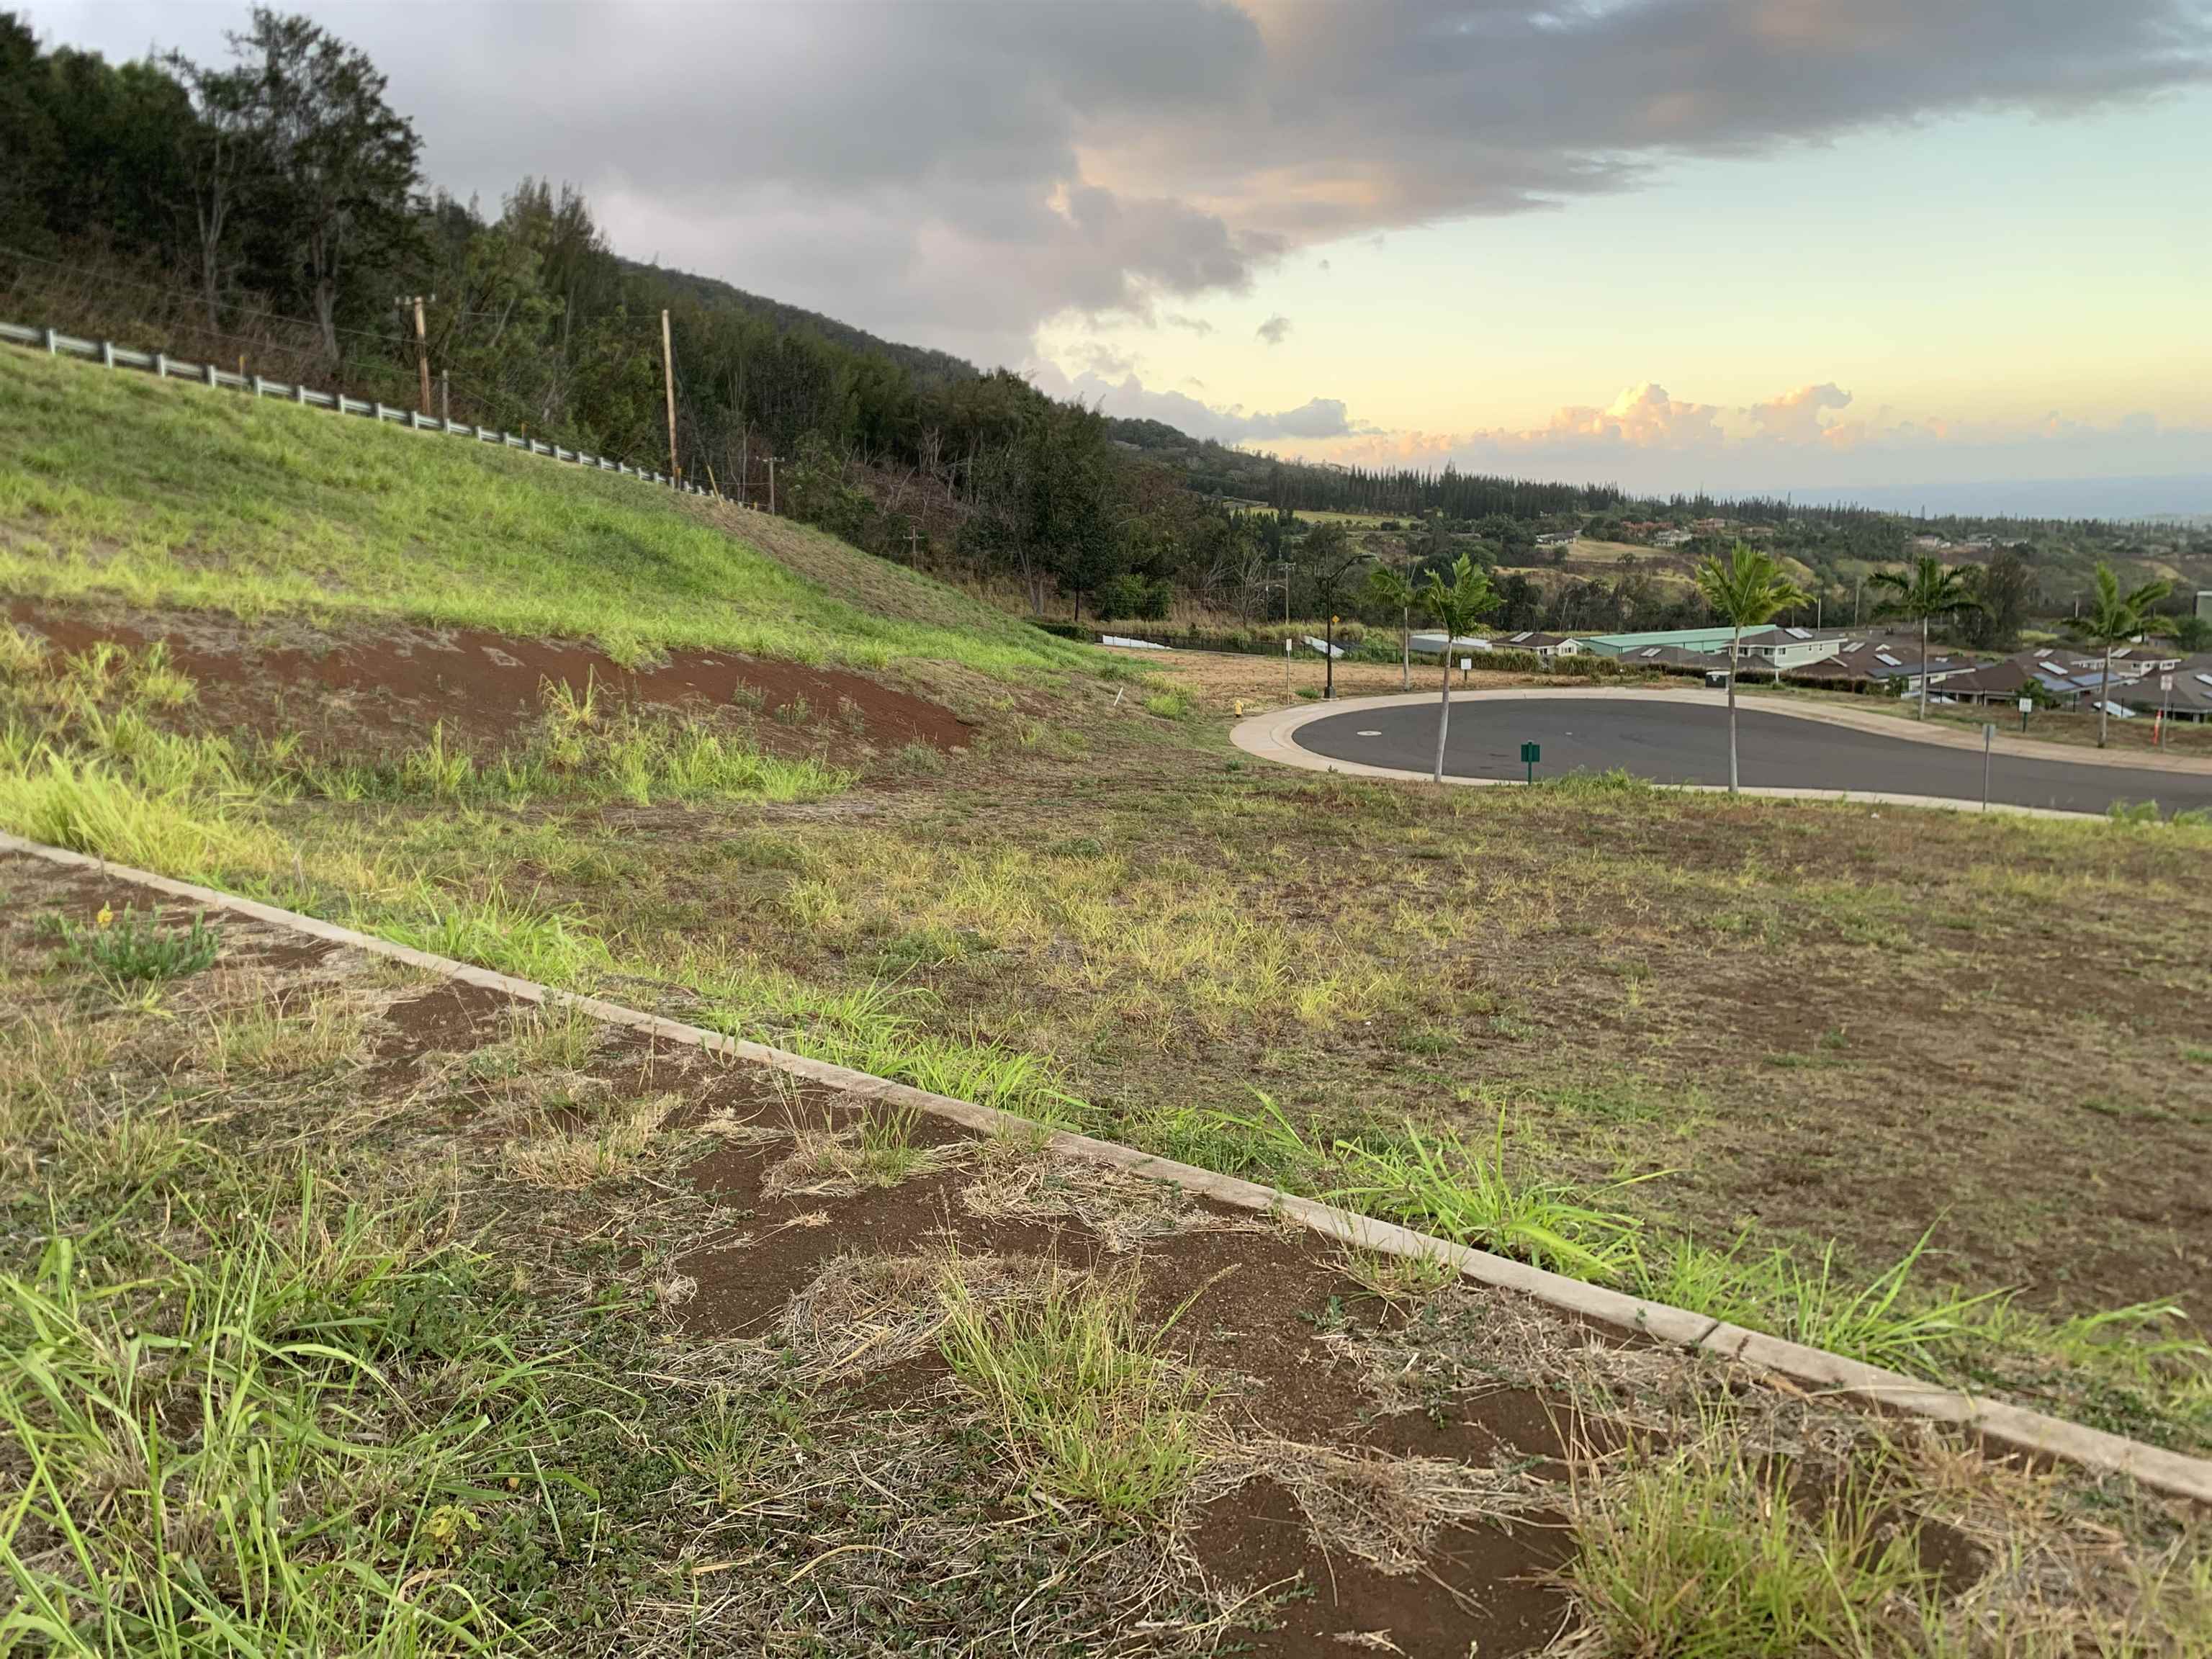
<point>1393,1278</point>
<point>1701,1554</point>
<point>264,1040</point>
<point>797,712</point>
<point>1437,1182</point>
<point>1093,1409</point>
<point>548,947</point>
<point>23,655</point>
<point>1173,704</point>
<point>1886,1321</point>
<point>921,759</point>
<point>159,682</point>
<point>132,948</point>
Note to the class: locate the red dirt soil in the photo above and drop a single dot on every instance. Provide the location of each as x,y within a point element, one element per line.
<point>384,687</point>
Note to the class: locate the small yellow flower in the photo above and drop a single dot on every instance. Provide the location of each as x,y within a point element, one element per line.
<point>105,917</point>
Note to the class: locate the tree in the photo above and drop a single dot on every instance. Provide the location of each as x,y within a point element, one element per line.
<point>1455,606</point>
<point>218,151</point>
<point>1930,589</point>
<point>2190,634</point>
<point>2114,618</point>
<point>2003,591</point>
<point>1388,589</point>
<point>1747,591</point>
<point>1329,557</point>
<point>344,162</point>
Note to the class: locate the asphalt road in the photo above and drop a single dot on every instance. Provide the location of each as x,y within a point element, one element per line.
<point>1687,743</point>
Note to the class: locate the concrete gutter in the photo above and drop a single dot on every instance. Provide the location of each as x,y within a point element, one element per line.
<point>1271,736</point>
<point>1997,1423</point>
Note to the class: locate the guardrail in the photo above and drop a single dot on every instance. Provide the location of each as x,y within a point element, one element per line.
<point>165,368</point>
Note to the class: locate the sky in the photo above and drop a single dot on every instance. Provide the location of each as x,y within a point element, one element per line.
<point>1950,250</point>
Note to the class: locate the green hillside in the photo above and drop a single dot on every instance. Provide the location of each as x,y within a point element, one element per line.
<point>114,485</point>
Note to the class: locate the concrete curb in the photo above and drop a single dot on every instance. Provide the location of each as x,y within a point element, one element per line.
<point>1271,736</point>
<point>2013,1427</point>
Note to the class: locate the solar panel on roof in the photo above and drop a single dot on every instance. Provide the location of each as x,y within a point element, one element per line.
<point>2207,678</point>
<point>1798,634</point>
<point>1885,658</point>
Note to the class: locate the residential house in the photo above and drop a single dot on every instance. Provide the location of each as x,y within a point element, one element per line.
<point>2182,693</point>
<point>1546,646</point>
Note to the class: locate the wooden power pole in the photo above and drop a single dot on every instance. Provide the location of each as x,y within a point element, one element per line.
<point>668,384</point>
<point>422,354</point>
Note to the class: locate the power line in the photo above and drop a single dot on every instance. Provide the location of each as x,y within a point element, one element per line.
<point>174,292</point>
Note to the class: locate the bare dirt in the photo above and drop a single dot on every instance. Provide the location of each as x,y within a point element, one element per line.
<point>383,689</point>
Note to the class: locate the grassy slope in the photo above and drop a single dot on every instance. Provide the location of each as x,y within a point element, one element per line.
<point>111,484</point>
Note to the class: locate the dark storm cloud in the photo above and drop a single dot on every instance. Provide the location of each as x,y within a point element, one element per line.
<point>958,172</point>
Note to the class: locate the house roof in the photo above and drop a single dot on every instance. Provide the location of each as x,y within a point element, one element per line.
<point>2192,692</point>
<point>1525,640</point>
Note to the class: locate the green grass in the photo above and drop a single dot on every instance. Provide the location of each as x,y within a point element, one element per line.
<point>114,486</point>
<point>213,1458</point>
<point>1703,1552</point>
<point>1438,1182</point>
<point>1093,1409</point>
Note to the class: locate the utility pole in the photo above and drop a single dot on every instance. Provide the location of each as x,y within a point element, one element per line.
<point>668,385</point>
<point>771,486</point>
<point>913,546</point>
<point>422,354</point>
<point>446,396</point>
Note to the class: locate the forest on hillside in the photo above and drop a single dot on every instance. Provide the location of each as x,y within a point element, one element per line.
<point>270,212</point>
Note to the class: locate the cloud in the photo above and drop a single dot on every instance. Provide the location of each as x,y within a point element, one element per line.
<point>1315,420</point>
<point>1274,330</point>
<point>957,181</point>
<point>1795,417</point>
<point>1196,325</point>
<point>1811,438</point>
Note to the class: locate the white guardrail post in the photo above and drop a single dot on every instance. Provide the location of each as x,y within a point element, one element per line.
<point>159,365</point>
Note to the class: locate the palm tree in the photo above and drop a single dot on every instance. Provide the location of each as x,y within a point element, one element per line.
<point>1390,589</point>
<point>1454,606</point>
<point>2115,618</point>
<point>1748,591</point>
<point>1931,588</point>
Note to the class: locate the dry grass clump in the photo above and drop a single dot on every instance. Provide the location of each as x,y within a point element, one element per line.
<point>565,1150</point>
<point>540,1037</point>
<point>1384,1510</point>
<point>862,1312</point>
<point>1019,1177</point>
<point>827,1161</point>
<point>2069,1567</point>
<point>260,1039</point>
<point>1397,1279</point>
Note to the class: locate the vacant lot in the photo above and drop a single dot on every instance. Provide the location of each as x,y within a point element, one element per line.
<point>1738,1038</point>
<point>1919,1087</point>
<point>348,1310</point>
